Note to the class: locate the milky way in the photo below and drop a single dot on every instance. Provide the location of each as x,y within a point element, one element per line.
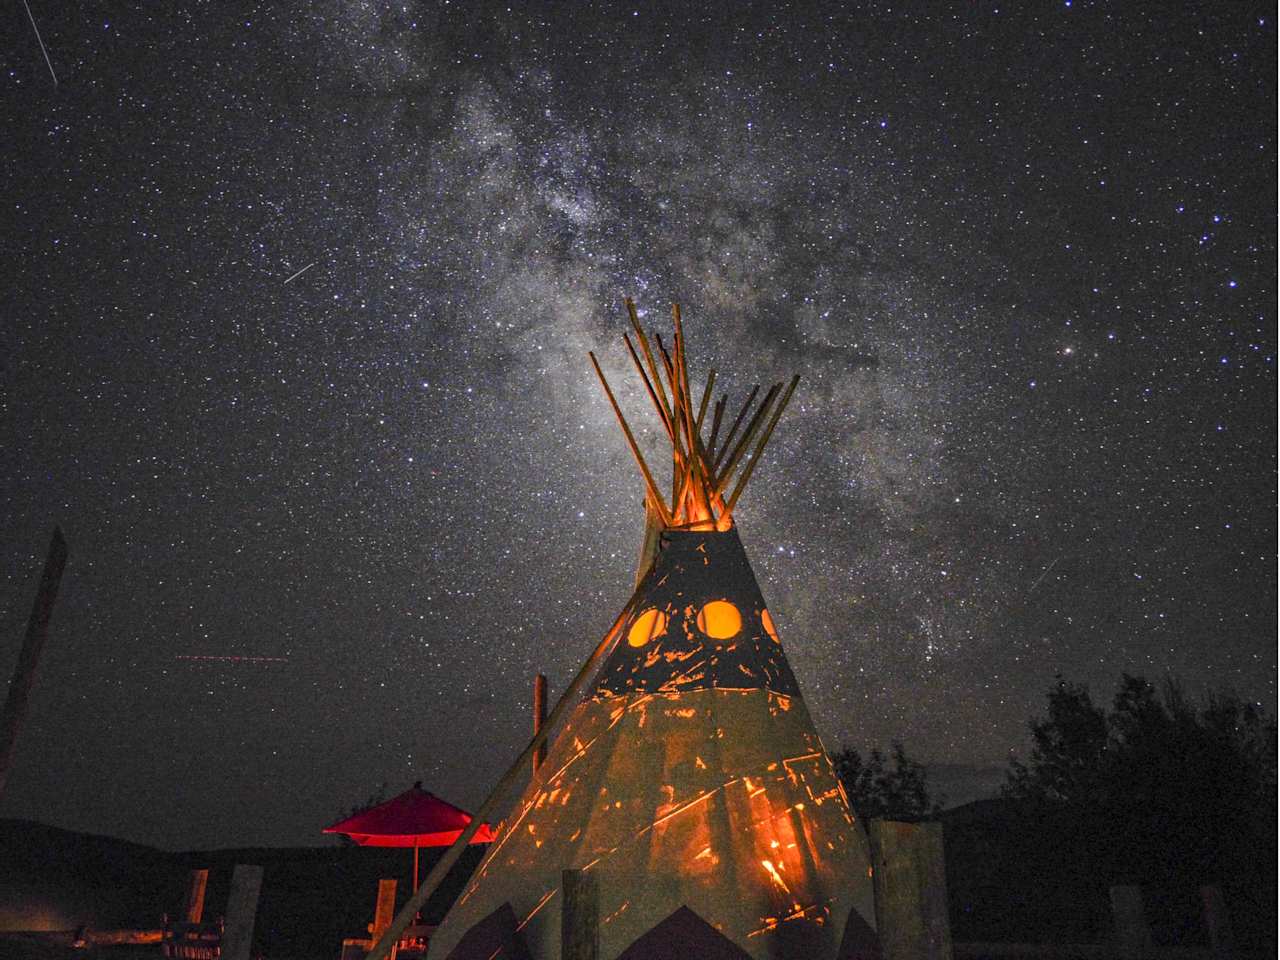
<point>297,309</point>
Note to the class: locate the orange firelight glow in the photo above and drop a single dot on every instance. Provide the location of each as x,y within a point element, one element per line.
<point>769,628</point>
<point>719,620</point>
<point>648,625</point>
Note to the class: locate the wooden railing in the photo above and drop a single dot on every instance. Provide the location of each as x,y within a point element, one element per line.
<point>193,941</point>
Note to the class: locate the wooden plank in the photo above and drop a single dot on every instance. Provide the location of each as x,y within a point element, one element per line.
<point>579,916</point>
<point>910,878</point>
<point>197,882</point>
<point>384,908</point>
<point>242,912</point>
<point>1133,934</point>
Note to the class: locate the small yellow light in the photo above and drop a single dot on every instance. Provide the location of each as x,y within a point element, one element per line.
<point>769,628</point>
<point>720,620</point>
<point>648,625</point>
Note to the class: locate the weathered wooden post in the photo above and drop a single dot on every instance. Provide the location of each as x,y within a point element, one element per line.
<point>24,672</point>
<point>539,718</point>
<point>193,912</point>
<point>1133,935</point>
<point>1217,923</point>
<point>242,911</point>
<point>910,881</point>
<point>579,916</point>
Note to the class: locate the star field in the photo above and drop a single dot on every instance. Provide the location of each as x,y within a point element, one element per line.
<point>298,303</point>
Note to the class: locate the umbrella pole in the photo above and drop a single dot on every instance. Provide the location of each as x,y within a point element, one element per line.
<point>390,936</point>
<point>416,916</point>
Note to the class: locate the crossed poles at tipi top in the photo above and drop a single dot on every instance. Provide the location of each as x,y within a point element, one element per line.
<point>701,469</point>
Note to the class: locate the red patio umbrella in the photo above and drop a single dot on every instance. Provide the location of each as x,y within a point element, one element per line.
<point>415,818</point>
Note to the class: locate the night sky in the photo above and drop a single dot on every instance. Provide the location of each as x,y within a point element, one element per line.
<point>296,309</point>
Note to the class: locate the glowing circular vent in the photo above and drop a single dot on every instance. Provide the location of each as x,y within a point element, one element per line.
<point>647,626</point>
<point>720,620</point>
<point>769,628</point>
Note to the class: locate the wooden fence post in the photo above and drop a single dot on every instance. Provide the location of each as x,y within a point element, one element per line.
<point>910,880</point>
<point>579,916</point>
<point>1217,922</point>
<point>1133,936</point>
<point>14,713</point>
<point>193,912</point>
<point>242,911</point>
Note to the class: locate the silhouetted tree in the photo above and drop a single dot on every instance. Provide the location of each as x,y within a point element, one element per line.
<point>368,803</point>
<point>879,790</point>
<point>1158,790</point>
<point>1068,754</point>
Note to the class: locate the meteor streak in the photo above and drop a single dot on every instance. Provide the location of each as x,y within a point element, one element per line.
<point>40,40</point>
<point>300,272</point>
<point>1044,574</point>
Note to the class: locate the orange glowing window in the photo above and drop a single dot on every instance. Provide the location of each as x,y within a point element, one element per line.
<point>769,628</point>
<point>720,620</point>
<point>648,625</point>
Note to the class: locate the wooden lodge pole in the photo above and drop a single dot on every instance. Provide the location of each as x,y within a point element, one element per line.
<point>764,439</point>
<point>631,441</point>
<point>391,935</point>
<point>644,378</point>
<point>737,421</point>
<point>24,673</point>
<point>668,412</point>
<point>539,717</point>
<point>724,475</point>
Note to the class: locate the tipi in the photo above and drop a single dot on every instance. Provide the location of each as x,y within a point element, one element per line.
<point>690,780</point>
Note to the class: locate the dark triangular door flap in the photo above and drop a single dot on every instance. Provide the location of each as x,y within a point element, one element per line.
<point>682,935</point>
<point>496,937</point>
<point>859,942</point>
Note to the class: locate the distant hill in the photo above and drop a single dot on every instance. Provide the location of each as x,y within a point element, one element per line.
<point>312,897</point>
<point>55,879</point>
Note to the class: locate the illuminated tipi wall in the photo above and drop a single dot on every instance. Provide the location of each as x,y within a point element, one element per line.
<point>691,774</point>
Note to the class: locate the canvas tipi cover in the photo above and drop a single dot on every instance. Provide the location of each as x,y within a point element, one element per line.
<point>691,774</point>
